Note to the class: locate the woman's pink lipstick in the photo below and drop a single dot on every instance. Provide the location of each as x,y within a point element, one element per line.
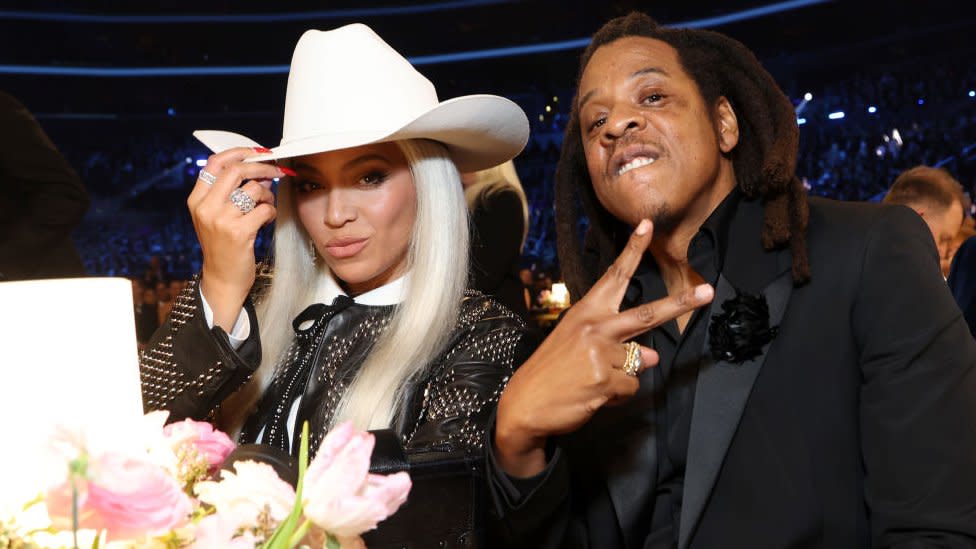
<point>341,248</point>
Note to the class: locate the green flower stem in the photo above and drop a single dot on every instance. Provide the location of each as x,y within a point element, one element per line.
<point>74,510</point>
<point>296,538</point>
<point>282,536</point>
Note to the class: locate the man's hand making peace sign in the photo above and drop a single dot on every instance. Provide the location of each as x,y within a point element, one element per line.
<point>580,367</point>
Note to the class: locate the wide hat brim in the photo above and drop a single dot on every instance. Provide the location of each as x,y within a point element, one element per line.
<point>480,132</point>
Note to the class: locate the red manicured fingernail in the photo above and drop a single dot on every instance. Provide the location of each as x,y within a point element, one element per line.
<point>261,149</point>
<point>288,171</point>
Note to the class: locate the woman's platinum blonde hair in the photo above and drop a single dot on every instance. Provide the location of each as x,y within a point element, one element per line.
<point>420,326</point>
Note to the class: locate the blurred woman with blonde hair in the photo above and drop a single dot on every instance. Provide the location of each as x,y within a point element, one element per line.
<point>499,225</point>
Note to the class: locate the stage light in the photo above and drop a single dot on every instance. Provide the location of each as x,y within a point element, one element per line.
<point>836,115</point>
<point>171,111</point>
<point>872,109</point>
<point>808,96</point>
<point>801,121</point>
<point>201,162</point>
<point>921,101</point>
<point>541,118</point>
<point>548,108</point>
<point>189,160</point>
<point>972,93</point>
<point>555,99</point>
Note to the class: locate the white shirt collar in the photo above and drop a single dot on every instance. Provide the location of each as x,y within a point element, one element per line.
<point>391,293</point>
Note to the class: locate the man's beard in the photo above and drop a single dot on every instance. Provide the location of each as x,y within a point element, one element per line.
<point>664,218</point>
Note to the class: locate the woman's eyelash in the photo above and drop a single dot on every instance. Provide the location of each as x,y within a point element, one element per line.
<point>374,177</point>
<point>304,185</point>
<point>370,179</point>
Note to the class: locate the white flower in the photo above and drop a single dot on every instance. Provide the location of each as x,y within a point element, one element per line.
<point>244,495</point>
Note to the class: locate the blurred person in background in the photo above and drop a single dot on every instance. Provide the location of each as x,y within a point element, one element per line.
<point>42,200</point>
<point>961,271</point>
<point>155,273</point>
<point>525,279</point>
<point>175,287</point>
<point>147,314</point>
<point>936,196</point>
<point>164,299</point>
<point>499,224</point>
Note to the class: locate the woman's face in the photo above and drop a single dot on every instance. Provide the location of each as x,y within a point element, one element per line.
<point>359,206</point>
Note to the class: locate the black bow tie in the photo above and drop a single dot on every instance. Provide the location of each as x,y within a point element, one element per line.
<point>290,384</point>
<point>309,321</point>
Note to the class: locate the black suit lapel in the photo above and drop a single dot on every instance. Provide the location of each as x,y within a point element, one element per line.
<point>723,389</point>
<point>720,398</point>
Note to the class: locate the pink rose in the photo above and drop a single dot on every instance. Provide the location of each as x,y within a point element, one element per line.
<point>212,445</point>
<point>127,497</point>
<point>217,532</point>
<point>340,495</point>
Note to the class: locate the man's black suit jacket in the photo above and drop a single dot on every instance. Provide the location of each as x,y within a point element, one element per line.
<point>962,281</point>
<point>856,427</point>
<point>42,199</point>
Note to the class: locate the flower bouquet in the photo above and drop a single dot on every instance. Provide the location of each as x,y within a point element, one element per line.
<point>165,489</point>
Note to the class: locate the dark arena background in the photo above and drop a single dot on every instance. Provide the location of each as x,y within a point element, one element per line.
<point>119,87</point>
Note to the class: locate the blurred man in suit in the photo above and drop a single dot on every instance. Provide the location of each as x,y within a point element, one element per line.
<point>936,196</point>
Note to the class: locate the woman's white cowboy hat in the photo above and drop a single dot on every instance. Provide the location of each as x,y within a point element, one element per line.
<point>347,87</point>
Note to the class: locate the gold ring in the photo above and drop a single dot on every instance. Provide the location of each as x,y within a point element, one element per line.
<point>633,363</point>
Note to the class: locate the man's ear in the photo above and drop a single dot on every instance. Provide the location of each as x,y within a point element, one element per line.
<point>726,124</point>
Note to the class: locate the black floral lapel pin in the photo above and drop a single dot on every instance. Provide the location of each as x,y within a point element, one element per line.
<point>741,330</point>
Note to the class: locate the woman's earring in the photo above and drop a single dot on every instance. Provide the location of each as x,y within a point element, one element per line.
<point>312,253</point>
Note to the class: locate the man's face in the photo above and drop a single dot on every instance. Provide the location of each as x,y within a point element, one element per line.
<point>944,225</point>
<point>653,148</point>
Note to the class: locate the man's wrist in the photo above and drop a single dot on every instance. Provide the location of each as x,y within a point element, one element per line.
<point>518,454</point>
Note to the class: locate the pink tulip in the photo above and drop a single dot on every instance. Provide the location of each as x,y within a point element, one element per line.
<point>340,495</point>
<point>127,497</point>
<point>211,444</point>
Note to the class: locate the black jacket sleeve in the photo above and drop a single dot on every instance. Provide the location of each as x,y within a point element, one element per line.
<point>535,512</point>
<point>189,368</point>
<point>460,397</point>
<point>918,416</point>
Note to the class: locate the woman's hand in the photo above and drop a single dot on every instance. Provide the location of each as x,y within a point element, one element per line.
<point>226,233</point>
<point>578,369</point>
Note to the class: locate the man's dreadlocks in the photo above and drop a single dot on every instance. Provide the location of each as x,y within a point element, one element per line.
<point>764,159</point>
